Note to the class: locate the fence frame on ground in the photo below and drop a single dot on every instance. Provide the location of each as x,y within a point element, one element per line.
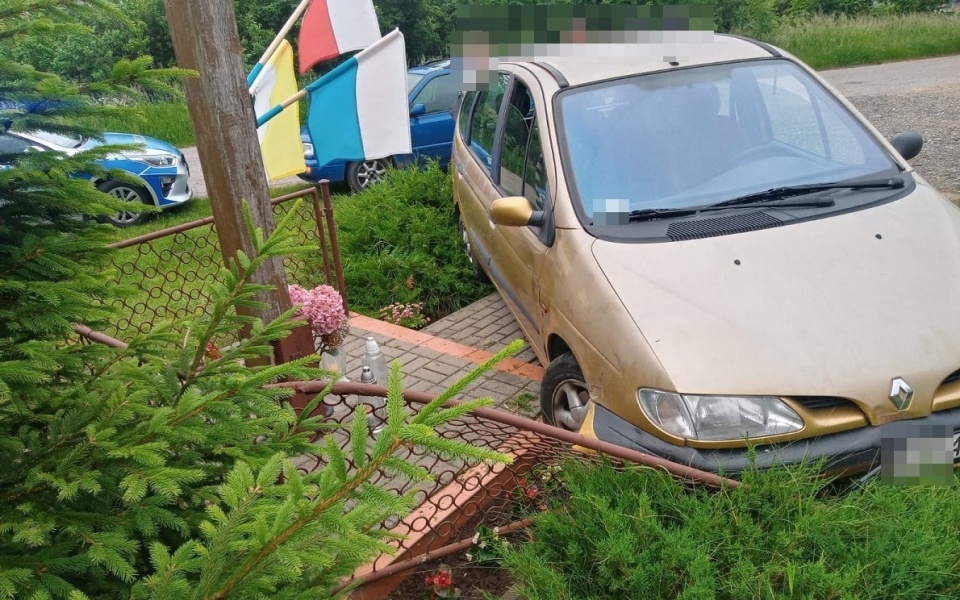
<point>471,490</point>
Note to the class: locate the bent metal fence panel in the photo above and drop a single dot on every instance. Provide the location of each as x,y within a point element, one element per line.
<point>462,497</point>
<point>167,272</point>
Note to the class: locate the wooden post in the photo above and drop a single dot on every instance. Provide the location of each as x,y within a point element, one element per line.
<point>205,40</point>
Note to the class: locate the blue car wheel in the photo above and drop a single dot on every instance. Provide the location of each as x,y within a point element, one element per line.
<point>361,175</point>
<point>135,195</point>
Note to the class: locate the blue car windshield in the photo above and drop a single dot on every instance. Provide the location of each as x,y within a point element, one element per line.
<point>58,139</point>
<point>704,135</point>
<point>412,80</point>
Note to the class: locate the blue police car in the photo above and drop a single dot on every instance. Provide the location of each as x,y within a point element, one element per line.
<point>160,169</point>
<point>432,92</point>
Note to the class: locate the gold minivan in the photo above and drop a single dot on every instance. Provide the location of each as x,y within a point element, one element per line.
<point>713,252</point>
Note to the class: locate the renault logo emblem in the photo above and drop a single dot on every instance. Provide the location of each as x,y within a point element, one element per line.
<point>900,393</point>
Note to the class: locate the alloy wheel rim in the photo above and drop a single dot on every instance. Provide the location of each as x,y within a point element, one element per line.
<point>370,172</point>
<point>570,402</point>
<point>126,194</point>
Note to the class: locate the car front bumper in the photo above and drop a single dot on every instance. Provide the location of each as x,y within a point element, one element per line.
<point>849,452</point>
<point>171,189</point>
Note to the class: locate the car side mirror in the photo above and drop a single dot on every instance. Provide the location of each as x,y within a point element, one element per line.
<point>908,144</point>
<point>515,211</point>
<point>418,109</point>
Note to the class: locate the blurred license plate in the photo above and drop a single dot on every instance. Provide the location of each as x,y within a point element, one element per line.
<point>956,446</point>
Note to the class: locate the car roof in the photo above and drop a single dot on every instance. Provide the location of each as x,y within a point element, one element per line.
<point>579,64</point>
<point>429,67</point>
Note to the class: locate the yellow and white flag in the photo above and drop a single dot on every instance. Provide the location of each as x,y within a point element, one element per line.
<point>280,136</point>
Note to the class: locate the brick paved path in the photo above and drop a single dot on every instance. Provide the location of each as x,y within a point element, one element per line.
<point>440,354</point>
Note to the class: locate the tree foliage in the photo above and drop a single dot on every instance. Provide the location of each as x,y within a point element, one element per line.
<point>159,470</point>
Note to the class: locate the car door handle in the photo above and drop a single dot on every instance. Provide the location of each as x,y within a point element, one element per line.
<point>460,170</point>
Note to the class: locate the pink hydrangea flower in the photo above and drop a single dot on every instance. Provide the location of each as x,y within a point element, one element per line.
<point>323,308</point>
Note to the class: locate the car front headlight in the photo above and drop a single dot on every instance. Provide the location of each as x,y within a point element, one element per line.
<point>716,418</point>
<point>155,160</point>
<point>307,150</point>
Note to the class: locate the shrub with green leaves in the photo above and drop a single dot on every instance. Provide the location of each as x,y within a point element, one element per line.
<point>637,533</point>
<point>399,245</point>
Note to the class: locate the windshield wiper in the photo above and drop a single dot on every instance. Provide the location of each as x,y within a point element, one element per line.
<point>651,214</point>
<point>797,190</point>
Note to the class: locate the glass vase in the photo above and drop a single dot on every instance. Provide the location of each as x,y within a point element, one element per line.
<point>335,361</point>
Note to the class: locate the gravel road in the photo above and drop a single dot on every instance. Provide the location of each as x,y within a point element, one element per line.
<point>923,95</point>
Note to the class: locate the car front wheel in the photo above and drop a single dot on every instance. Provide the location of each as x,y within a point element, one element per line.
<point>135,195</point>
<point>361,175</point>
<point>564,397</point>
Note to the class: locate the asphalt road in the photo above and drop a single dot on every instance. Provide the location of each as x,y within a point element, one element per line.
<point>923,95</point>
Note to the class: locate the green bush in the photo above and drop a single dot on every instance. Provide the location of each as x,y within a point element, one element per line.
<point>399,244</point>
<point>637,533</point>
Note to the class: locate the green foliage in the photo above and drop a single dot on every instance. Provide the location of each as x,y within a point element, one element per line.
<point>399,244</point>
<point>168,121</point>
<point>636,533</point>
<point>828,42</point>
<point>154,471</point>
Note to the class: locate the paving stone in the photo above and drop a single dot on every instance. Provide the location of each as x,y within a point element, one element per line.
<point>454,361</point>
<point>427,353</point>
<point>431,376</point>
<point>442,368</point>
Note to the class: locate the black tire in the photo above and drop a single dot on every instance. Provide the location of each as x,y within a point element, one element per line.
<point>363,174</point>
<point>478,272</point>
<point>126,192</point>
<point>562,377</point>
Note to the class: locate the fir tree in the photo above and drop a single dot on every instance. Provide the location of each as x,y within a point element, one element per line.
<point>155,471</point>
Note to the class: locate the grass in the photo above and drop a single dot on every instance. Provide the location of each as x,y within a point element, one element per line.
<point>830,42</point>
<point>636,533</point>
<point>167,121</point>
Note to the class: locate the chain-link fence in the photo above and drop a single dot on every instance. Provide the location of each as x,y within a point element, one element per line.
<point>167,273</point>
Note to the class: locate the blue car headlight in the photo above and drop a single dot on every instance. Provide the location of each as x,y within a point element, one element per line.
<point>154,160</point>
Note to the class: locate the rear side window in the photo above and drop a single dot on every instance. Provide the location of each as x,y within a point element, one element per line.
<point>483,126</point>
<point>465,107</point>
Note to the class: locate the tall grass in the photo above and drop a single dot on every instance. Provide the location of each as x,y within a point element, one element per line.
<point>826,42</point>
<point>168,121</point>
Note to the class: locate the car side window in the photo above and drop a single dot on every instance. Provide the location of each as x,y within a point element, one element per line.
<point>521,154</point>
<point>12,145</point>
<point>439,95</point>
<point>466,105</point>
<point>483,126</point>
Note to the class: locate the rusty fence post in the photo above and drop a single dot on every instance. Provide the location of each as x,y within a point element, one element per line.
<point>334,244</point>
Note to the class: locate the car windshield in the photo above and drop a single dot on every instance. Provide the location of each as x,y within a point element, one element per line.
<point>705,135</point>
<point>412,80</point>
<point>64,141</point>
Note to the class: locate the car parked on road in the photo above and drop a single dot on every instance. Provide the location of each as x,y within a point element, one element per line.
<point>432,91</point>
<point>714,252</point>
<point>160,168</point>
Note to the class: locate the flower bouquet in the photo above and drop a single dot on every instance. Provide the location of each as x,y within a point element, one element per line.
<point>322,307</point>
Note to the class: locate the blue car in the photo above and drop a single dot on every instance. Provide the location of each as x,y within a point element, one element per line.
<point>160,168</point>
<point>432,91</point>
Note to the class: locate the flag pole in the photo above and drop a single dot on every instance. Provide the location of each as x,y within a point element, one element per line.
<point>276,41</point>
<point>279,108</point>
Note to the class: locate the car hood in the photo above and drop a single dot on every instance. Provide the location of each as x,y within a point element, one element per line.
<point>150,144</point>
<point>831,307</point>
